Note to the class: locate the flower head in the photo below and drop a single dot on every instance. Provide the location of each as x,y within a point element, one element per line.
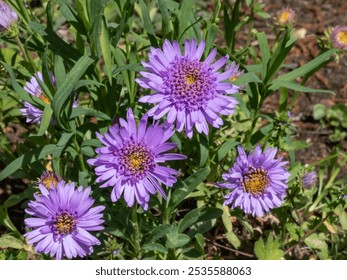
<point>33,114</point>
<point>286,16</point>
<point>309,179</point>
<point>129,160</point>
<point>339,37</point>
<point>258,181</point>
<point>49,180</point>
<point>61,220</point>
<point>7,16</point>
<point>191,92</point>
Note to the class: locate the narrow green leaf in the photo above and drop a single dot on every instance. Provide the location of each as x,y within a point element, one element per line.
<point>308,67</point>
<point>148,24</point>
<point>155,247</point>
<point>225,148</point>
<point>45,120</point>
<point>278,84</point>
<point>265,52</point>
<point>158,232</point>
<point>8,241</point>
<point>61,145</point>
<point>165,18</point>
<point>68,85</point>
<point>80,111</point>
<point>184,188</point>
<point>184,15</point>
<point>26,159</point>
<point>106,49</point>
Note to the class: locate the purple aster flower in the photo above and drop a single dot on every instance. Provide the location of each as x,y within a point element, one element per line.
<point>339,37</point>
<point>61,220</point>
<point>7,16</point>
<point>258,181</point>
<point>33,114</point>
<point>49,180</point>
<point>129,160</point>
<point>309,179</point>
<point>191,92</point>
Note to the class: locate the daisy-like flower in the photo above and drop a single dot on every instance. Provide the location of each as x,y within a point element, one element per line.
<point>49,180</point>
<point>339,37</point>
<point>258,181</point>
<point>7,16</point>
<point>286,16</point>
<point>33,114</point>
<point>129,161</point>
<point>191,92</point>
<point>309,179</point>
<point>61,220</point>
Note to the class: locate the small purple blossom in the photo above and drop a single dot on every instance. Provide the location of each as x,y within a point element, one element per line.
<point>339,37</point>
<point>129,161</point>
<point>191,92</point>
<point>7,16</point>
<point>61,220</point>
<point>33,114</point>
<point>258,181</point>
<point>309,179</point>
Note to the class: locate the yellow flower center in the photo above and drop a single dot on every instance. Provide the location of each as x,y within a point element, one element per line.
<point>342,36</point>
<point>284,16</point>
<point>256,181</point>
<point>190,79</point>
<point>136,161</point>
<point>44,98</point>
<point>64,223</point>
<point>233,78</point>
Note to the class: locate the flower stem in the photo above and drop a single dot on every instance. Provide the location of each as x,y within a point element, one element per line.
<point>26,54</point>
<point>137,247</point>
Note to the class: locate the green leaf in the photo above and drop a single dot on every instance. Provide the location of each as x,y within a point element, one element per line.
<point>68,85</point>
<point>45,120</point>
<point>184,188</point>
<point>316,241</point>
<point>175,239</point>
<point>26,159</point>
<point>156,247</point>
<point>319,111</point>
<point>61,145</point>
<point>165,18</point>
<point>106,50</point>
<point>343,219</point>
<point>80,111</point>
<point>268,251</point>
<point>184,14</point>
<point>158,232</point>
<point>316,63</point>
<point>14,199</point>
<point>199,215</point>
<point>265,52</point>
<point>230,235</point>
<point>225,148</point>
<point>148,24</point>
<point>8,241</point>
<point>294,86</point>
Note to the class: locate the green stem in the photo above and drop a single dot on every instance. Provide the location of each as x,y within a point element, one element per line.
<point>137,247</point>
<point>80,155</point>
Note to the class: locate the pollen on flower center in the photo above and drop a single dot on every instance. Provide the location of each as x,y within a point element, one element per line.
<point>136,160</point>
<point>50,181</point>
<point>256,181</point>
<point>190,79</point>
<point>284,16</point>
<point>342,37</point>
<point>64,223</point>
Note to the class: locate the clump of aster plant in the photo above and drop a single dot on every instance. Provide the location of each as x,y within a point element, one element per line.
<point>285,17</point>
<point>339,37</point>
<point>61,219</point>
<point>33,114</point>
<point>257,181</point>
<point>7,17</point>
<point>309,179</point>
<point>192,93</point>
<point>129,160</point>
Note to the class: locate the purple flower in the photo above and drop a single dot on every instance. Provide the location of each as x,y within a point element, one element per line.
<point>7,16</point>
<point>191,92</point>
<point>309,179</point>
<point>33,114</point>
<point>258,181</point>
<point>339,37</point>
<point>129,160</point>
<point>61,220</point>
